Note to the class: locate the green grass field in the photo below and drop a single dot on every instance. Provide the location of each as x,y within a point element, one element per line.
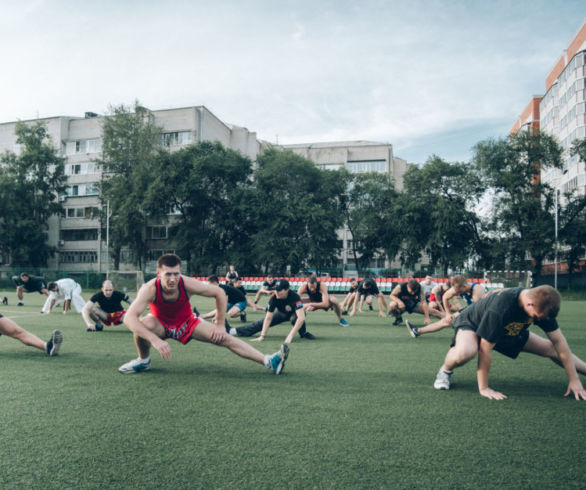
<point>353,409</point>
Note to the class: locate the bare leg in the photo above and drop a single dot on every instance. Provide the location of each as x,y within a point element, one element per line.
<point>435,327</point>
<point>464,350</point>
<point>336,307</point>
<point>10,328</point>
<point>544,348</point>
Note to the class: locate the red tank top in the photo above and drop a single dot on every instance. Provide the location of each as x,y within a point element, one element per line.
<point>172,313</point>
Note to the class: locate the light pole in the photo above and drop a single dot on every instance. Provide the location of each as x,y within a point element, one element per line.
<point>108,233</point>
<point>555,260</point>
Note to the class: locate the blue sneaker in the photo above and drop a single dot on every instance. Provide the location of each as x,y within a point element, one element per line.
<point>135,366</point>
<point>343,322</point>
<point>278,359</point>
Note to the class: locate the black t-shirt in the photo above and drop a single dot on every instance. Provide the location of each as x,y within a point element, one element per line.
<point>112,304</point>
<point>270,285</point>
<point>372,289</point>
<point>315,297</point>
<point>406,297</point>
<point>288,305</point>
<point>234,295</point>
<point>353,289</point>
<point>34,283</point>
<point>499,315</point>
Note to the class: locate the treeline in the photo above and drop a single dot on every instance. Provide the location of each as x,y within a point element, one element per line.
<point>283,211</point>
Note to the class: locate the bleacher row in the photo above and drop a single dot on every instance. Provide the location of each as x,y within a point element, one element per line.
<point>335,284</point>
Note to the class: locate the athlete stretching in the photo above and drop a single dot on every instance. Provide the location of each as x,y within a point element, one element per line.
<point>170,317</point>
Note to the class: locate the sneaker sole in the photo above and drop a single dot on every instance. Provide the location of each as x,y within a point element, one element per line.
<point>284,351</point>
<point>442,387</point>
<point>132,370</point>
<point>57,339</point>
<point>410,328</point>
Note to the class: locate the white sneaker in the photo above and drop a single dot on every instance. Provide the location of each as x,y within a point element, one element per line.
<point>442,380</point>
<point>135,366</point>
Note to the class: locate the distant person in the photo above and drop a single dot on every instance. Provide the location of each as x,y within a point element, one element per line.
<point>427,286</point>
<point>231,275</point>
<point>409,297</point>
<point>105,308</point>
<point>368,288</point>
<point>284,306</point>
<point>66,290</point>
<point>268,287</point>
<point>238,285</point>
<point>11,329</point>
<point>237,301</point>
<point>351,296</point>
<point>319,298</point>
<point>500,321</point>
<point>468,291</point>
<point>26,283</point>
<point>170,317</point>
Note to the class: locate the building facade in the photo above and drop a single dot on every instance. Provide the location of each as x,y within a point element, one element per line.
<point>77,234</point>
<point>356,157</point>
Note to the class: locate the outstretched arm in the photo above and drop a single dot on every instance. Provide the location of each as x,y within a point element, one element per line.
<point>561,346</point>
<point>484,361</point>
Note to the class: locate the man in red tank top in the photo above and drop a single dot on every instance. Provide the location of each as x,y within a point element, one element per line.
<point>170,317</point>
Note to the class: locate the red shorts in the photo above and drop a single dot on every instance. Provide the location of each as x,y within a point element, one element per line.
<point>181,333</point>
<point>114,318</point>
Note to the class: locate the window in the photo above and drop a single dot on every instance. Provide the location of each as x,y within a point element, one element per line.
<point>77,212</point>
<point>176,138</point>
<point>78,257</point>
<point>154,255</point>
<point>358,167</point>
<point>83,234</point>
<point>82,190</point>
<point>81,169</point>
<point>82,146</point>
<point>157,232</point>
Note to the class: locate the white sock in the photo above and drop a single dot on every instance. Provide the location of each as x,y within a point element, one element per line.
<point>268,361</point>
<point>232,331</point>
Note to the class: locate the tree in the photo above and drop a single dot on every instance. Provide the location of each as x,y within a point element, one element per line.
<point>209,186</point>
<point>295,211</point>
<point>443,196</point>
<point>30,184</point>
<point>572,232</point>
<point>522,204</point>
<point>579,148</point>
<point>373,217</point>
<point>130,145</point>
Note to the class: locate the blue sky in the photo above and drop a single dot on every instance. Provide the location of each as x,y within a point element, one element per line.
<point>430,77</point>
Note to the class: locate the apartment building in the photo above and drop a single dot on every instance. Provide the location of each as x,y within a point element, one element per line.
<point>561,112</point>
<point>77,234</point>
<point>356,157</point>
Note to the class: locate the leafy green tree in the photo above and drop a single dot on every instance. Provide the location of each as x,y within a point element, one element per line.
<point>30,184</point>
<point>572,232</point>
<point>373,215</point>
<point>209,186</point>
<point>440,200</point>
<point>130,145</point>
<point>295,211</point>
<point>522,204</point>
<point>579,148</point>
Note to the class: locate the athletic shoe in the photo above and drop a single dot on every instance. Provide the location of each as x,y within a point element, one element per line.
<point>308,336</point>
<point>398,321</point>
<point>343,322</point>
<point>135,366</point>
<point>195,311</point>
<point>278,359</point>
<point>5,300</point>
<point>345,312</point>
<point>370,307</point>
<point>442,380</point>
<point>20,303</point>
<point>243,317</point>
<point>54,343</point>
<point>99,327</point>
<point>413,330</point>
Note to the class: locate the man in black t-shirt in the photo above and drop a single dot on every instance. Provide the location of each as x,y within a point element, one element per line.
<point>105,308</point>
<point>500,322</point>
<point>267,287</point>
<point>27,283</point>
<point>284,305</point>
<point>410,297</point>
<point>366,288</point>
<point>237,301</point>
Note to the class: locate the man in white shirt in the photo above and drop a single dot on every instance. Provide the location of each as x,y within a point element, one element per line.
<point>66,290</point>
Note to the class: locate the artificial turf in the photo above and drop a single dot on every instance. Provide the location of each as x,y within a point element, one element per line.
<point>354,408</point>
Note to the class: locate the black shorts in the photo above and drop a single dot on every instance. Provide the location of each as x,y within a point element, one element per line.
<point>410,306</point>
<point>510,345</point>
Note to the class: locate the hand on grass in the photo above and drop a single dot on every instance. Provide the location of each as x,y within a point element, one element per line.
<point>258,339</point>
<point>578,390</point>
<point>491,394</point>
